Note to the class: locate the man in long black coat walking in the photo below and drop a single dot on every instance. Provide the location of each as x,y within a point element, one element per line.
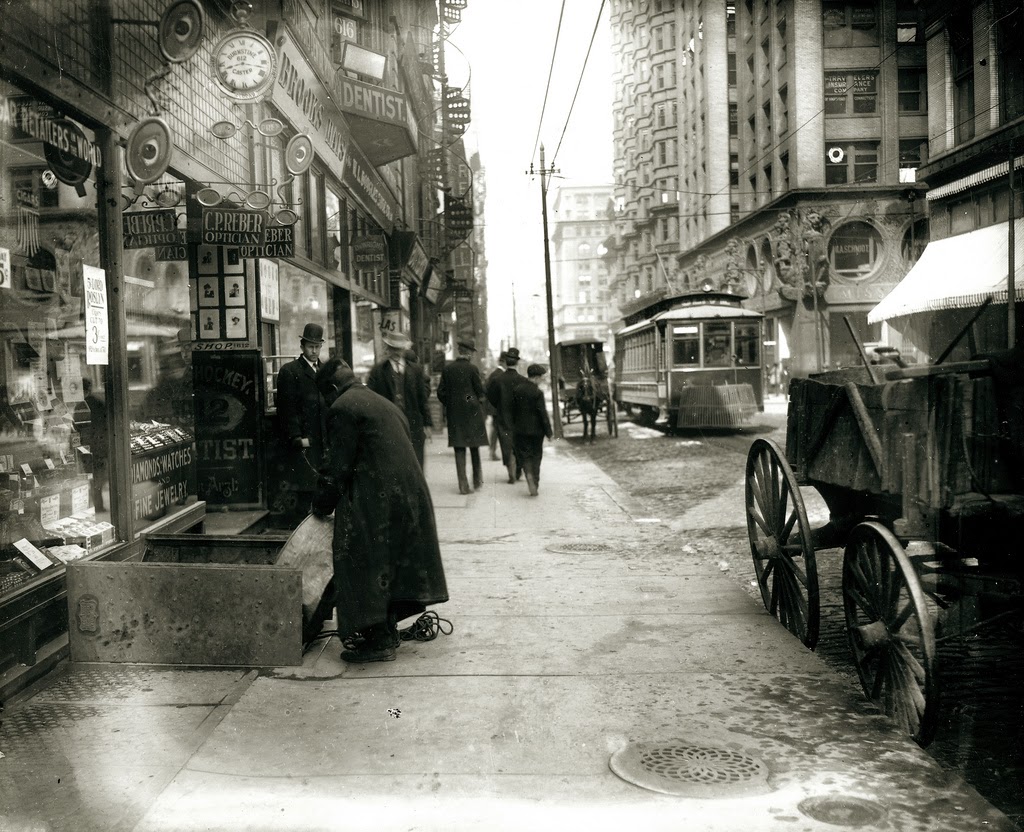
<point>530,424</point>
<point>387,561</point>
<point>300,421</point>
<point>493,436</point>
<point>462,394</point>
<point>403,383</point>
<point>499,394</point>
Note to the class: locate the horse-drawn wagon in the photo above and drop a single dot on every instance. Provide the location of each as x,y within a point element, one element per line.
<point>583,384</point>
<point>922,470</point>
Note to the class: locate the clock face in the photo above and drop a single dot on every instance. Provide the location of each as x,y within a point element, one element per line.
<point>244,64</point>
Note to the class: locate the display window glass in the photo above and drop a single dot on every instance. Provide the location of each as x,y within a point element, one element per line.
<point>54,334</point>
<point>304,300</point>
<point>159,338</point>
<point>717,345</point>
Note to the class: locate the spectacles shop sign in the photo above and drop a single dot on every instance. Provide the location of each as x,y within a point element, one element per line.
<point>251,231</point>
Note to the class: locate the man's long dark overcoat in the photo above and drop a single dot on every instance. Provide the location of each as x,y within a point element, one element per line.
<point>386,554</point>
<point>300,413</point>
<point>460,391</point>
<point>382,380</point>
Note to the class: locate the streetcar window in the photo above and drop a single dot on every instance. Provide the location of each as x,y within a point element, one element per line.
<point>685,345</point>
<point>717,338</point>
<point>747,353</point>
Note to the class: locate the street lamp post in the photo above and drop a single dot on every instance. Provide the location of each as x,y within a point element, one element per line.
<point>556,370</point>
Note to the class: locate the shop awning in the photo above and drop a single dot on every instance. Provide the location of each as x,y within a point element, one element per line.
<point>957,273</point>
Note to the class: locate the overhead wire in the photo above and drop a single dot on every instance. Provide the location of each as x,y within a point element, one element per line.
<point>547,88</point>
<point>593,36</point>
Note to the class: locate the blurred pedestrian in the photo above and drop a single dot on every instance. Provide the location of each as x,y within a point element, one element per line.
<point>387,561</point>
<point>403,383</point>
<point>499,394</point>
<point>462,394</point>
<point>530,424</point>
<point>300,421</point>
<point>489,408</point>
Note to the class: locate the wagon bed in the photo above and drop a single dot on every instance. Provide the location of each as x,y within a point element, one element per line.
<point>921,470</point>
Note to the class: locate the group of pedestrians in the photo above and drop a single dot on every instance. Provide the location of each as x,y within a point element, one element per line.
<point>364,447</point>
<point>516,405</point>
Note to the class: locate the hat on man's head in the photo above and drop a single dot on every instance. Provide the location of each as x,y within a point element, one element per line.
<point>398,340</point>
<point>313,333</point>
<point>535,370</point>
<point>467,344</point>
<point>502,356</point>
<point>512,355</point>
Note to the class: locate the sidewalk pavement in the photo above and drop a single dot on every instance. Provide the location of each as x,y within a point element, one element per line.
<point>580,626</point>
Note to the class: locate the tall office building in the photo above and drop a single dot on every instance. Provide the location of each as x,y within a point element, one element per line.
<point>770,149</point>
<point>579,274</point>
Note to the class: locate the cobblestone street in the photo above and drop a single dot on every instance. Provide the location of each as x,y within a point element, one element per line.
<point>692,486</point>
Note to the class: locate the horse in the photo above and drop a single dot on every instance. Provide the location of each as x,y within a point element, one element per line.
<point>588,403</point>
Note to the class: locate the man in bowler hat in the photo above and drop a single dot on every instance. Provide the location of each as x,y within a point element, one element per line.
<point>462,394</point>
<point>300,420</point>
<point>499,394</point>
<point>530,424</point>
<point>403,383</point>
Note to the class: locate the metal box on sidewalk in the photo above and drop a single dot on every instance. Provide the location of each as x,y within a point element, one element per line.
<point>192,600</point>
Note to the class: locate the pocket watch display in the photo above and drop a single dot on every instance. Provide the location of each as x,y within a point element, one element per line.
<point>244,64</point>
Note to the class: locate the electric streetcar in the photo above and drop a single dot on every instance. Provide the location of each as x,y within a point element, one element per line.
<point>693,360</point>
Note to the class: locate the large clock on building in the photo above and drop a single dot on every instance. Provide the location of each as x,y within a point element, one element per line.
<point>244,64</point>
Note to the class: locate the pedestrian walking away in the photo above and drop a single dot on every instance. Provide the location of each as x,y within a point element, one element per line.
<point>403,383</point>
<point>387,561</point>
<point>300,422</point>
<point>462,393</point>
<point>492,436</point>
<point>530,424</point>
<point>499,394</point>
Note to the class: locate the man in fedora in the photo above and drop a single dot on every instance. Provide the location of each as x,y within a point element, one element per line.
<point>499,394</point>
<point>462,394</point>
<point>530,424</point>
<point>489,408</point>
<point>403,383</point>
<point>300,421</point>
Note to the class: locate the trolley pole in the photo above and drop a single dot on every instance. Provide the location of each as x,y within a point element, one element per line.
<point>556,369</point>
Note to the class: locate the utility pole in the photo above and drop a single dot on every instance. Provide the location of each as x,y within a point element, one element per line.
<point>556,369</point>
<point>515,323</point>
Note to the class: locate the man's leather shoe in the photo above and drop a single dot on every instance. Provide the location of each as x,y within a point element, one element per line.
<point>364,655</point>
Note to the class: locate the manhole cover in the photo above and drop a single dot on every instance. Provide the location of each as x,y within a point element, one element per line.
<point>679,768</point>
<point>579,548</point>
<point>839,810</point>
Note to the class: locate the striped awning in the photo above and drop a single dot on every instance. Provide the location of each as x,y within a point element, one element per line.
<point>957,273</point>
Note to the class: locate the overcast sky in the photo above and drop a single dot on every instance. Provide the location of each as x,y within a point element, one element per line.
<point>507,48</point>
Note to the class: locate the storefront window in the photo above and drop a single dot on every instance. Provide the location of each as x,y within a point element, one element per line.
<point>686,345</point>
<point>160,390</point>
<point>854,249</point>
<point>54,440</point>
<point>717,338</point>
<point>304,300</point>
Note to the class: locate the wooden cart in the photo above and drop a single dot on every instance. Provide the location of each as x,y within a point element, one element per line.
<point>921,469</point>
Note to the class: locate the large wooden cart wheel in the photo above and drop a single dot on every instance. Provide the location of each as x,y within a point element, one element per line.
<point>780,542</point>
<point>890,630</point>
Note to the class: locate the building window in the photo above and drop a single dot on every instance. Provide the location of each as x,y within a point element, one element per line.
<point>850,23</point>
<point>908,22</point>
<point>731,71</point>
<point>961,40</point>
<point>854,250</point>
<point>913,90</point>
<point>783,109</point>
<point>659,39</point>
<point>782,56</point>
<point>851,163</point>
<point>659,77</point>
<point>1009,36</point>
<point>851,92</point>
<point>734,120</point>
<point>913,154</point>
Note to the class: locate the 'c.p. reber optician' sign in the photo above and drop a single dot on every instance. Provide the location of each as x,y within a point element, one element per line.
<point>251,231</point>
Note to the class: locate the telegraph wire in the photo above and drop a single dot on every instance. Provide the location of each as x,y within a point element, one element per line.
<point>547,88</point>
